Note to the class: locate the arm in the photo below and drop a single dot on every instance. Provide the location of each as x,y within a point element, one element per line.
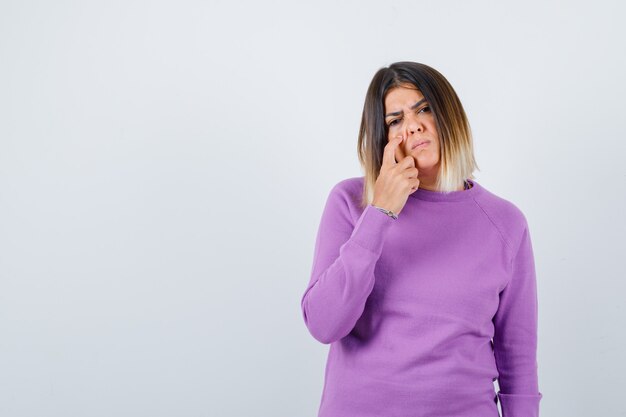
<point>515,337</point>
<point>342,275</point>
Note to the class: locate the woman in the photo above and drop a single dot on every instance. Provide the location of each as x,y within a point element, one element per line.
<point>423,281</point>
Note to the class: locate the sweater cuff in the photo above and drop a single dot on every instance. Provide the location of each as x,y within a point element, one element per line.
<point>372,228</point>
<point>519,405</point>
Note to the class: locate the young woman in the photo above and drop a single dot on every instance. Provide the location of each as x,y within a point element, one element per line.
<point>423,281</point>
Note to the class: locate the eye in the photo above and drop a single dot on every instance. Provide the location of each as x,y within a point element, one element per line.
<point>395,121</point>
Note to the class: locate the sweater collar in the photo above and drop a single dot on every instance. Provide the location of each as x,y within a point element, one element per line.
<point>430,195</point>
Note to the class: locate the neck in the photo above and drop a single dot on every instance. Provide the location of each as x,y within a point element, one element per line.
<point>428,183</point>
<point>427,180</point>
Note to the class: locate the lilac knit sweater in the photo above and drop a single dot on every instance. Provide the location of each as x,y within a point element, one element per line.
<point>424,312</point>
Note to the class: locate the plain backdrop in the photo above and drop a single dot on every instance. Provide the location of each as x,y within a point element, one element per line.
<point>164,166</point>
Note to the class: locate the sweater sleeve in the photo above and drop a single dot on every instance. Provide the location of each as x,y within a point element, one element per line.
<point>515,336</point>
<point>342,275</point>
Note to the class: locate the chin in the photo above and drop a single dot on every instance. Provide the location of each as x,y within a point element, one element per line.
<point>426,162</point>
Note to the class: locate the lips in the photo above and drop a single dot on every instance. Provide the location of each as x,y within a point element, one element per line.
<point>420,143</point>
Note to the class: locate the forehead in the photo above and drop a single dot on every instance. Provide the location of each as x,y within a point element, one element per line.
<point>399,97</point>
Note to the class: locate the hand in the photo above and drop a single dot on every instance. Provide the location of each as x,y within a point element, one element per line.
<point>397,179</point>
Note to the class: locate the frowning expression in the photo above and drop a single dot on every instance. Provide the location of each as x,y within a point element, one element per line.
<point>408,114</point>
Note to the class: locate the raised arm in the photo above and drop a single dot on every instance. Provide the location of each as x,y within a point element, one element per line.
<point>342,275</point>
<point>515,337</point>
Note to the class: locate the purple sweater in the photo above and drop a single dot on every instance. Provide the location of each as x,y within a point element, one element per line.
<point>424,312</point>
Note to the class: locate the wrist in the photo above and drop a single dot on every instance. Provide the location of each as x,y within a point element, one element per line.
<point>387,212</point>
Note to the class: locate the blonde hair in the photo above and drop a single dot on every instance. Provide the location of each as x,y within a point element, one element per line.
<point>457,161</point>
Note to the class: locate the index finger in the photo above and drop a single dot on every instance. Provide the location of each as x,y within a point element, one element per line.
<point>390,151</point>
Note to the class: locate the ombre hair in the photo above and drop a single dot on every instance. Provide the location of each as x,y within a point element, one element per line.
<point>456,159</point>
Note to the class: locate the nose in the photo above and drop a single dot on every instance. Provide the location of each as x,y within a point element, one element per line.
<point>413,125</point>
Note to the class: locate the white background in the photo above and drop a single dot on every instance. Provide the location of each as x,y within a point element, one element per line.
<point>164,165</point>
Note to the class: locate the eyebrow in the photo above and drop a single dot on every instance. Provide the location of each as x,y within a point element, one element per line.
<point>416,105</point>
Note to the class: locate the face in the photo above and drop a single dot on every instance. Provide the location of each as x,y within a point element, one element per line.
<point>409,115</point>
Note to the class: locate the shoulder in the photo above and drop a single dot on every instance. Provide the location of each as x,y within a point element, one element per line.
<point>351,187</point>
<point>344,199</point>
<point>505,215</point>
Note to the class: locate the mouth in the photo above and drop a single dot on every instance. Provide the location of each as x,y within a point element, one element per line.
<point>420,144</point>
